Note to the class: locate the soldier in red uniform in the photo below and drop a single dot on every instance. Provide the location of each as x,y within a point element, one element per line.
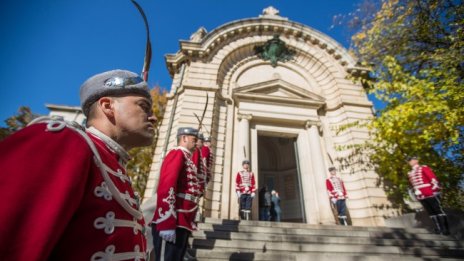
<point>427,190</point>
<point>177,198</point>
<point>65,189</point>
<point>337,193</point>
<point>208,158</point>
<point>245,188</point>
<point>199,161</point>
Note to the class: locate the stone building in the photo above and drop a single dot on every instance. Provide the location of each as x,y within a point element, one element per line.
<point>276,91</point>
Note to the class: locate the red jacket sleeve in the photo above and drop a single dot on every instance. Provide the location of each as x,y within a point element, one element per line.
<point>330,189</point>
<point>432,178</point>
<point>165,213</point>
<point>42,181</point>
<point>196,158</point>
<point>238,181</point>
<point>208,160</point>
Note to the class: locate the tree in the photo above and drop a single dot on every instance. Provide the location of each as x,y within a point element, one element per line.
<point>17,122</point>
<point>415,52</point>
<point>138,168</point>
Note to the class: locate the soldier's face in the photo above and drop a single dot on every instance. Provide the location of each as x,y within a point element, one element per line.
<point>246,166</point>
<point>134,121</point>
<point>190,142</point>
<point>413,162</point>
<point>199,143</point>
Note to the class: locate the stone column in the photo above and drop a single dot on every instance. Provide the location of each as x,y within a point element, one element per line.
<point>319,170</point>
<point>244,137</point>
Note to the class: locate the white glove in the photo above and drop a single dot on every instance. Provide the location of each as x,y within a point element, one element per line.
<point>238,193</point>
<point>334,200</point>
<point>252,195</point>
<point>168,235</point>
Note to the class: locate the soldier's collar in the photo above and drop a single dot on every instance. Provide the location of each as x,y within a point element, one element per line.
<point>185,149</point>
<point>111,144</point>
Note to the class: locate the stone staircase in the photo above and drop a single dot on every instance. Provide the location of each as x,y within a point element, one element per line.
<point>258,240</point>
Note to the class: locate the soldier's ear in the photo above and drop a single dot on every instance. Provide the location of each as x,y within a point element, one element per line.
<point>106,105</point>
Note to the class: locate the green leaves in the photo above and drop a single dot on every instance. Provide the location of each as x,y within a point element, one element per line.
<point>17,122</point>
<point>416,51</point>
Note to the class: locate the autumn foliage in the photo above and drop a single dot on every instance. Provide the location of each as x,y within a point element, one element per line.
<point>415,52</point>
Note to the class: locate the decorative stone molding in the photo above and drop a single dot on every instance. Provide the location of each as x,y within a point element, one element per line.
<point>267,24</point>
<point>310,123</point>
<point>271,12</point>
<point>241,116</point>
<point>198,35</point>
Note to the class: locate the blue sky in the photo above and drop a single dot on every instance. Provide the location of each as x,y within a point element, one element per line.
<point>49,48</point>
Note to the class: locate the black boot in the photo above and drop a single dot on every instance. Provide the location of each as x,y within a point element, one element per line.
<point>436,223</point>
<point>443,220</point>
<point>189,257</point>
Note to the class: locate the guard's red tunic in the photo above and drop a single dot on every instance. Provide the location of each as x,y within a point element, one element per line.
<point>207,157</point>
<point>245,182</point>
<point>178,192</point>
<point>56,204</point>
<point>336,188</point>
<point>424,182</point>
<point>203,158</point>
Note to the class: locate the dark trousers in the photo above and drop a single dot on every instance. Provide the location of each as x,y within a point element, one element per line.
<point>172,252</point>
<point>245,202</point>
<point>265,213</point>
<point>341,208</point>
<point>433,206</point>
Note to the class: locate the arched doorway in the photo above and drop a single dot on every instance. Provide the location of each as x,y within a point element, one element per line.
<point>278,170</point>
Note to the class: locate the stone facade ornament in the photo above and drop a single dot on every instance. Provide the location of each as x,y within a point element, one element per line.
<point>198,35</point>
<point>274,50</point>
<point>271,12</point>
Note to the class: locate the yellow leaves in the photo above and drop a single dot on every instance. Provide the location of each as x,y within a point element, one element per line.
<point>359,36</point>
<point>416,51</point>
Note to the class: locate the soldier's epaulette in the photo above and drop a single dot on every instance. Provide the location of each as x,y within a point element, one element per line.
<point>57,123</point>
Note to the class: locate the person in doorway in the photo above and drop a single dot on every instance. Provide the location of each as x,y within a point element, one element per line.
<point>337,194</point>
<point>276,211</point>
<point>177,198</point>
<point>427,191</point>
<point>264,204</point>
<point>245,189</point>
<point>65,189</point>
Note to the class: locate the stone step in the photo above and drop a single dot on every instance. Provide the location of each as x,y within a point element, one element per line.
<point>203,255</point>
<point>341,249</point>
<point>255,223</point>
<point>325,239</point>
<point>324,231</point>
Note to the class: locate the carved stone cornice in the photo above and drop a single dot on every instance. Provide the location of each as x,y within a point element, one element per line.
<point>242,116</point>
<point>311,123</point>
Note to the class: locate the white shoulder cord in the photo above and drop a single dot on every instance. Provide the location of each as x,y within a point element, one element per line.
<point>57,124</point>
